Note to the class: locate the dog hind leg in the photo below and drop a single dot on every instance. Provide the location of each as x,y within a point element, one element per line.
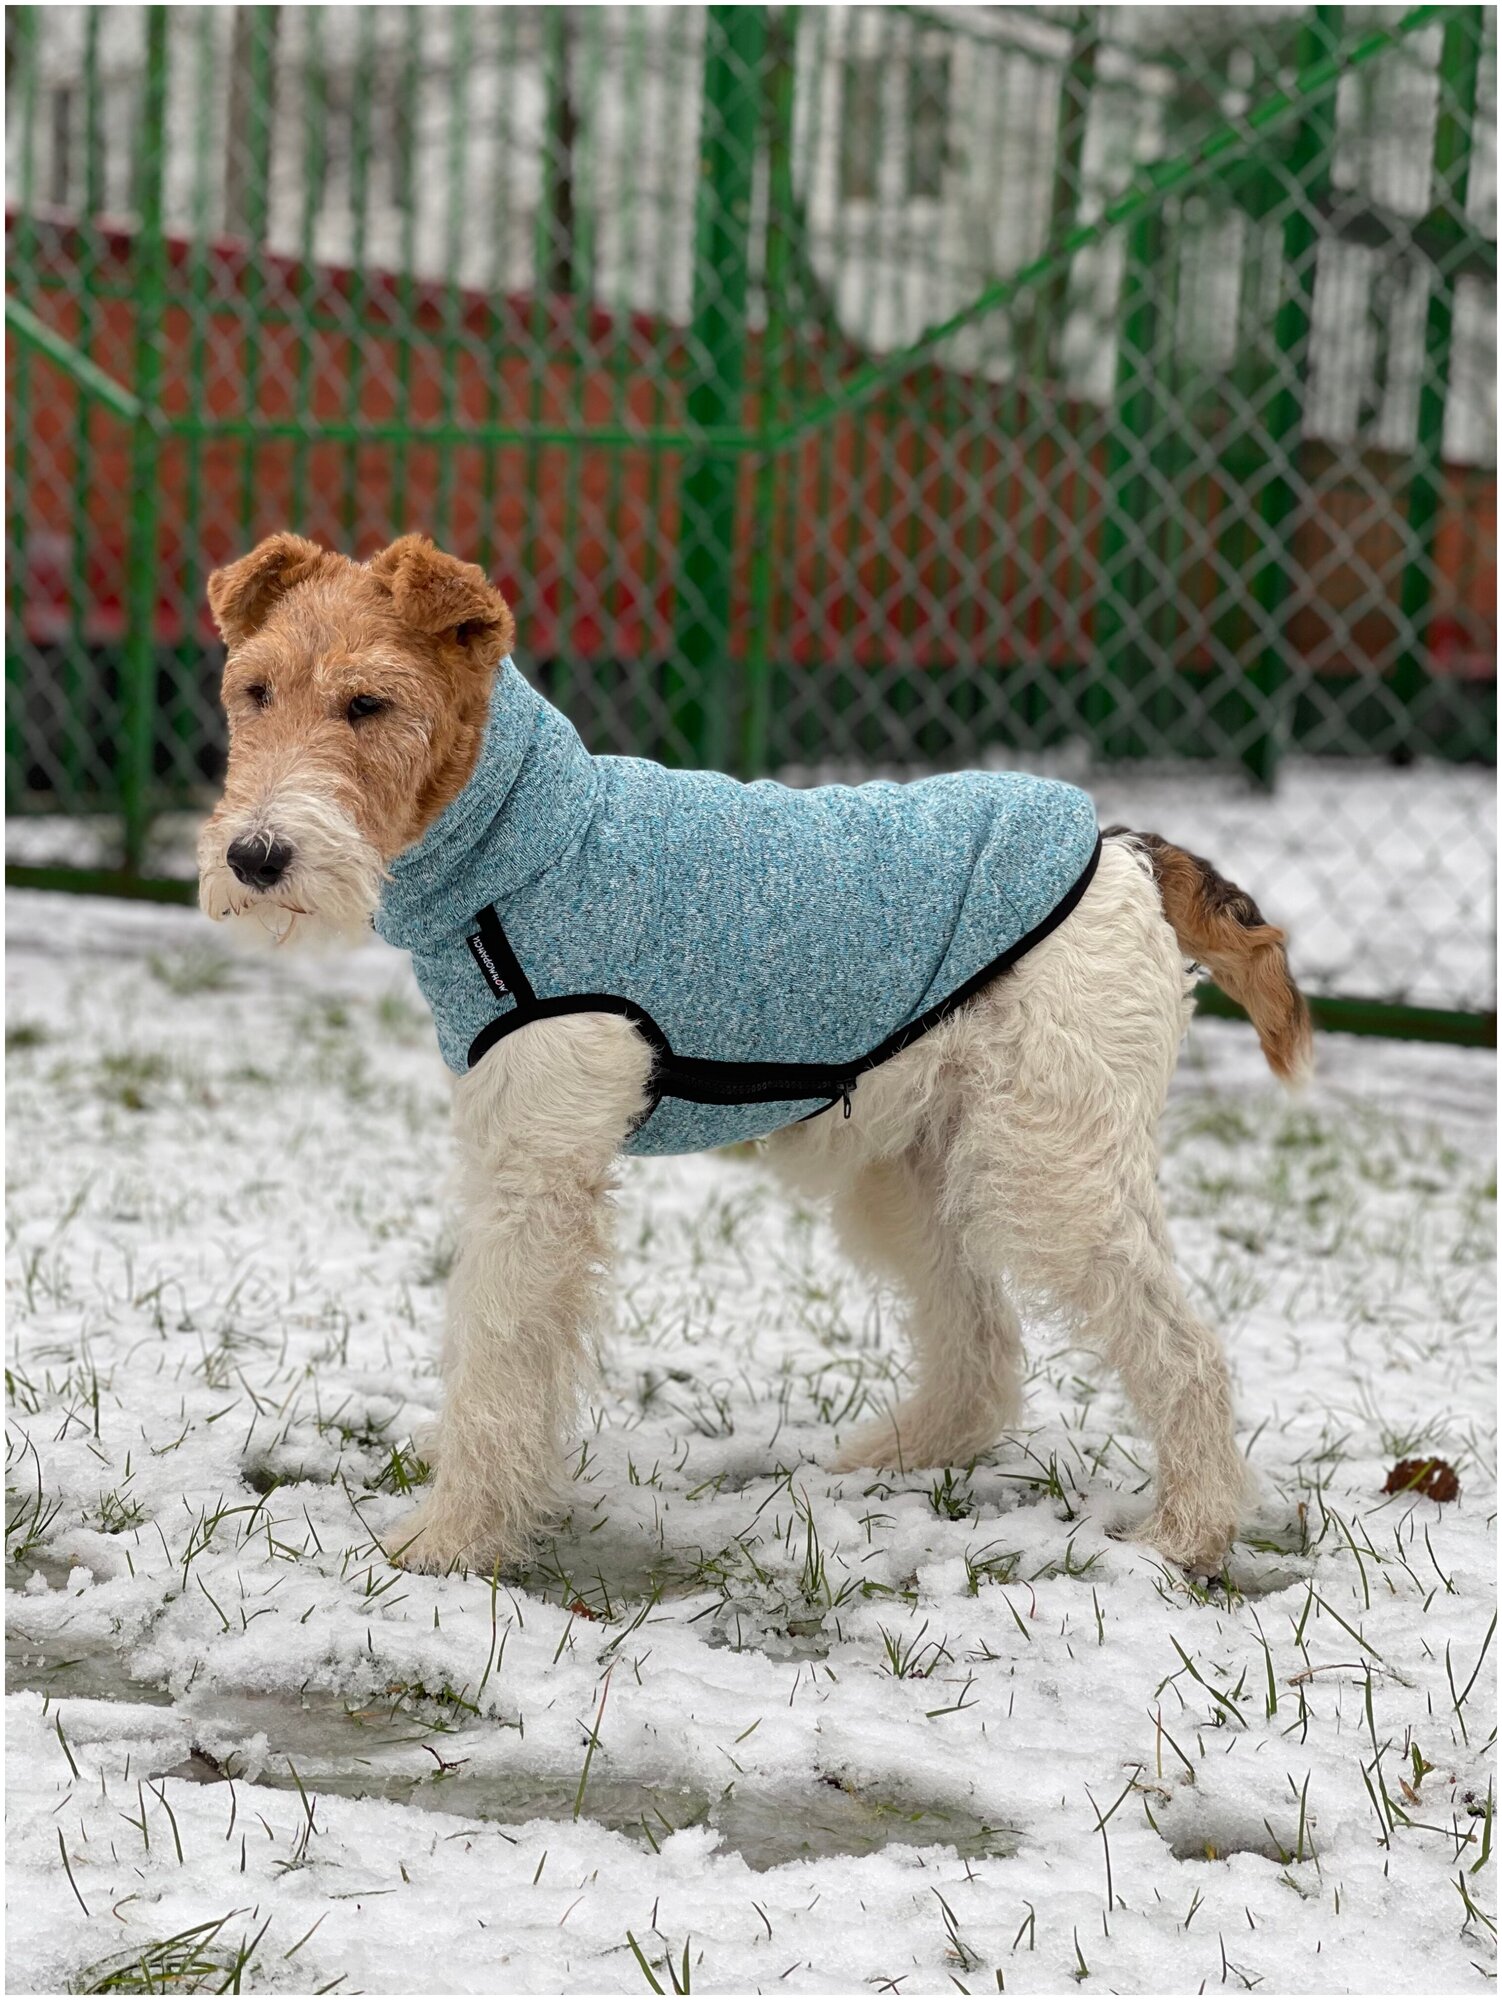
<point>1053,1171</point>
<point>965,1334</point>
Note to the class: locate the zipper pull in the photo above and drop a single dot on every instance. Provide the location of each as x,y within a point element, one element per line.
<point>845,1091</point>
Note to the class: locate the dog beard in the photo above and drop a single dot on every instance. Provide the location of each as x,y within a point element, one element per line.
<point>332,885</point>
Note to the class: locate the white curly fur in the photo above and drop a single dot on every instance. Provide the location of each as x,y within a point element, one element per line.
<point>1009,1156</point>
<point>539,1123</point>
<point>330,892</point>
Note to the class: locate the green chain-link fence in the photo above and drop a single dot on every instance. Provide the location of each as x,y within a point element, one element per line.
<point>830,389</point>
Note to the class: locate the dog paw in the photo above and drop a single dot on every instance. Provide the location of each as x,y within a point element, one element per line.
<point>903,1443</point>
<point>427,1438</point>
<point>436,1539</point>
<point>1200,1547</point>
<point>875,1447</point>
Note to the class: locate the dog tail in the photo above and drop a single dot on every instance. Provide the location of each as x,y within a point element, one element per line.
<point>1220,926</point>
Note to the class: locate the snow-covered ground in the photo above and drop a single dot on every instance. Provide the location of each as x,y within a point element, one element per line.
<point>746,1725</point>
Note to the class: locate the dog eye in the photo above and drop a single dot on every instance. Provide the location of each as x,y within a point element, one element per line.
<point>363,705</point>
<point>259,693</point>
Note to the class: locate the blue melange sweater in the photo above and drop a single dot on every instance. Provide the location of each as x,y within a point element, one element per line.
<point>772,944</point>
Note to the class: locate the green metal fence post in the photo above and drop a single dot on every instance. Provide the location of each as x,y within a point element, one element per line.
<point>139,681</point>
<point>186,667</point>
<point>782,47</point>
<point>461,62</point>
<point>700,689</point>
<point>553,273</point>
<point>19,468</point>
<point>249,202</point>
<point>362,113</point>
<point>1308,170</point>
<point>315,154</point>
<point>1076,85</point>
<point>76,677</point>
<point>1459,67</point>
<point>1118,662</point>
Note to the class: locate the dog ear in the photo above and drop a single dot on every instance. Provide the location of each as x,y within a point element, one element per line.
<point>243,593</point>
<point>445,598</point>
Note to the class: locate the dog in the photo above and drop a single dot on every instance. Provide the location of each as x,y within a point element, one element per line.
<point>997,1153</point>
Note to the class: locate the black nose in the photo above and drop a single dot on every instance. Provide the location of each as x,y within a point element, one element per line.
<point>261,861</point>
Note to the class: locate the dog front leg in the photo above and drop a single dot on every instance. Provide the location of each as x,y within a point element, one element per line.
<point>538,1124</point>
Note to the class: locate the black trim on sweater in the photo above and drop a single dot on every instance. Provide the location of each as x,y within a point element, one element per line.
<point>491,950</point>
<point>705,1080</point>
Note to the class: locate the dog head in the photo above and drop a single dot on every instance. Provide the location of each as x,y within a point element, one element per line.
<point>356,695</point>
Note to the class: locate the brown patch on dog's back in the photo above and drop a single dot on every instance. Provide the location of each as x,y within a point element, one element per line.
<point>1219,925</point>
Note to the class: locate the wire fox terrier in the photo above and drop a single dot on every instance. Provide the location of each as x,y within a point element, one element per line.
<point>952,1007</point>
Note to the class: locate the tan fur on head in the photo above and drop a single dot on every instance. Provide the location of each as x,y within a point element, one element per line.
<point>243,593</point>
<point>357,697</point>
<point>1220,926</point>
<point>439,594</point>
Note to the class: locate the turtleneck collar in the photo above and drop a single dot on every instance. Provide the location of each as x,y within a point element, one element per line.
<point>531,794</point>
